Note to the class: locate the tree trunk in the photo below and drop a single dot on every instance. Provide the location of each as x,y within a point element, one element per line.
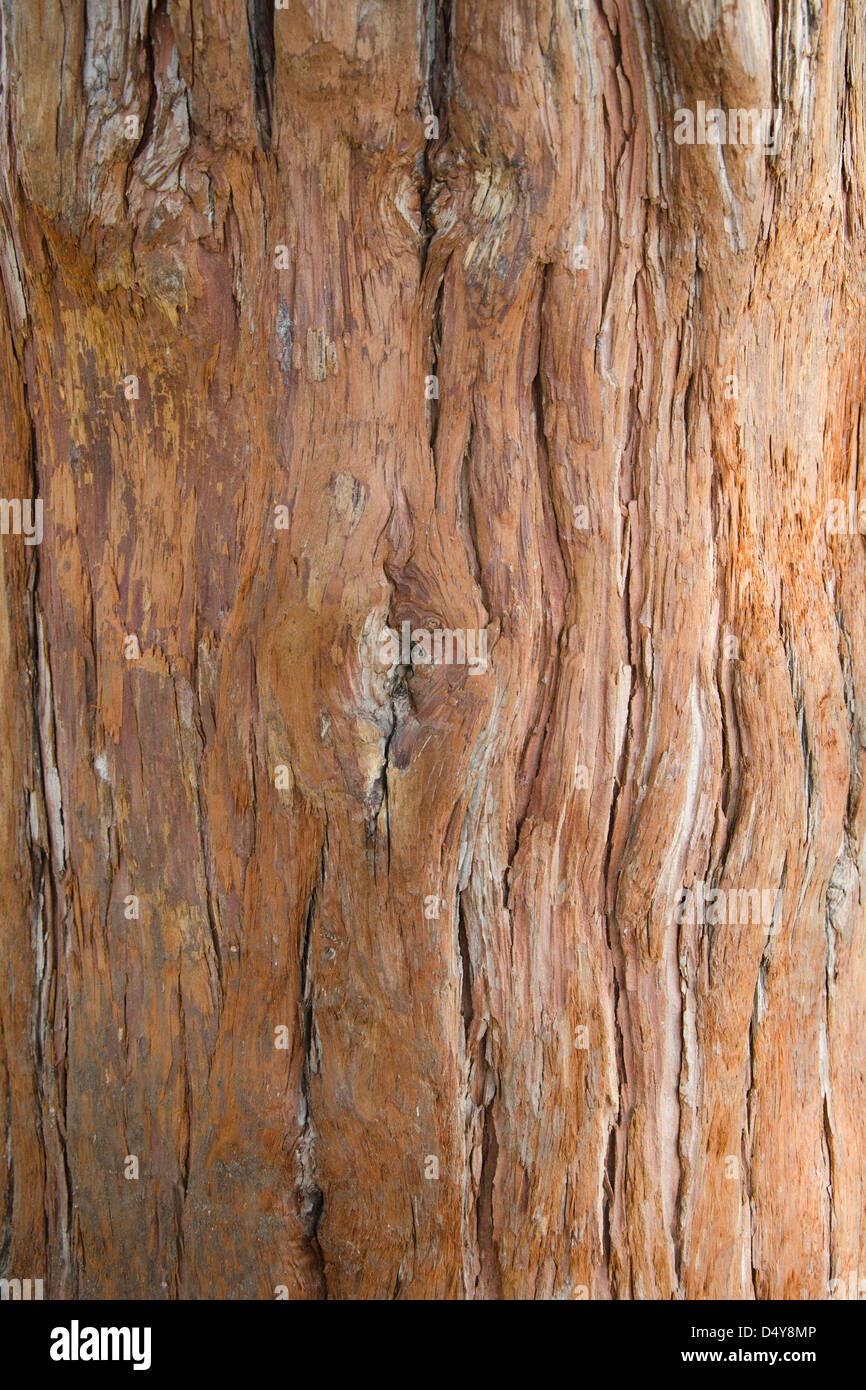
<point>328,969</point>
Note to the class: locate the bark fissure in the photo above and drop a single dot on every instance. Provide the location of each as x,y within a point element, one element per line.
<point>311,1195</point>
<point>260,32</point>
<point>152,10</point>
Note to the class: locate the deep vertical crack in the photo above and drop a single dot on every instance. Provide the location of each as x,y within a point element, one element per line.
<point>260,38</point>
<point>311,1197</point>
<point>149,121</point>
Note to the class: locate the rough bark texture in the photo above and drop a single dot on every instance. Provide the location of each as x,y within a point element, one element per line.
<point>668,336</point>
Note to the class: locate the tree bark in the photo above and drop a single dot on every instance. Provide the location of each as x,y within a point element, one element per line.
<point>378,968</point>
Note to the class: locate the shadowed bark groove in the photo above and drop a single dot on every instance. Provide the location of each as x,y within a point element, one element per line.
<point>328,970</point>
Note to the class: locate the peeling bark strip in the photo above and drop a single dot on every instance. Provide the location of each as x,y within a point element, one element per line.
<point>331,967</point>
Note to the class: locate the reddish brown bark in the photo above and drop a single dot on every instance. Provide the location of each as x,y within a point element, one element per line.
<point>507,1069</point>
